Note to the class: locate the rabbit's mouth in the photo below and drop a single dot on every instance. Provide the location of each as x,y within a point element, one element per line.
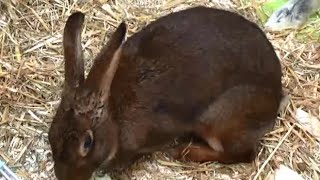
<point>64,172</point>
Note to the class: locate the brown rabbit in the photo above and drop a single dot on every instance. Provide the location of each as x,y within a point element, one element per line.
<point>204,72</point>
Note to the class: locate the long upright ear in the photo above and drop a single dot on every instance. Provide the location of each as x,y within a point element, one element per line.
<point>106,63</point>
<point>74,67</point>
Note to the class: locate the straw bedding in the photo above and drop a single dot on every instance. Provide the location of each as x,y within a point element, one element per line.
<point>31,77</point>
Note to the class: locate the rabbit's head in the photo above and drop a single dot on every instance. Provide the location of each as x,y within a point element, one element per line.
<point>83,134</point>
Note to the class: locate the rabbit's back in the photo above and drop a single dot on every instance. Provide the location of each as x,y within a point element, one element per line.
<point>179,64</point>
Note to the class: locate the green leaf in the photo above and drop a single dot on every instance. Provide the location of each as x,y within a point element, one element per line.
<point>269,7</point>
<point>262,16</point>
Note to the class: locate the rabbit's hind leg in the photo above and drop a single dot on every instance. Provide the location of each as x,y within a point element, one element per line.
<point>196,152</point>
<point>232,126</point>
<point>236,150</point>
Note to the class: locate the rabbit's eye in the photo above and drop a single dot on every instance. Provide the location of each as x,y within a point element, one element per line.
<point>88,142</point>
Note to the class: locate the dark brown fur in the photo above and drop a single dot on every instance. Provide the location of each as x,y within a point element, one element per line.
<point>201,71</point>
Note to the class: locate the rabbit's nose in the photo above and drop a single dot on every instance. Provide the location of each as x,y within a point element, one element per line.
<point>62,172</point>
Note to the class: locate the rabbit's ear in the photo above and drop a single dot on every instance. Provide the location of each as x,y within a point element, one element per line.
<point>105,65</point>
<point>74,67</point>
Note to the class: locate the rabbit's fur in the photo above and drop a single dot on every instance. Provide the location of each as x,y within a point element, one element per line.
<point>203,72</point>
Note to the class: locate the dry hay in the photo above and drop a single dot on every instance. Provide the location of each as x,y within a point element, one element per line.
<point>31,75</point>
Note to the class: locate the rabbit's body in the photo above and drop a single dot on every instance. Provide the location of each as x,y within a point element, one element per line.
<point>171,74</point>
<point>201,71</point>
